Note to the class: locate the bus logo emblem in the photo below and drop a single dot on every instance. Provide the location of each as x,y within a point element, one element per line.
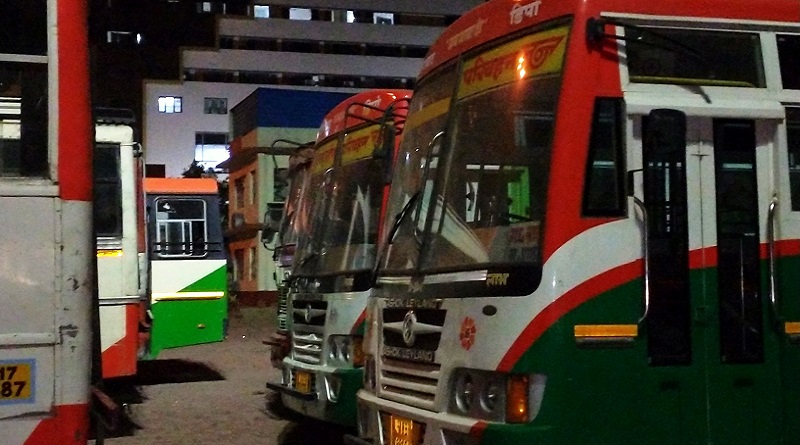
<point>408,328</point>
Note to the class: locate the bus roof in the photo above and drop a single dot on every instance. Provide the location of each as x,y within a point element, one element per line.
<point>181,186</point>
<point>334,121</point>
<point>498,18</point>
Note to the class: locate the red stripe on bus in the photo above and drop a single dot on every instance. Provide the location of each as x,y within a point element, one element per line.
<point>119,360</point>
<point>477,430</point>
<point>564,304</point>
<point>75,128</point>
<point>359,322</point>
<point>68,426</point>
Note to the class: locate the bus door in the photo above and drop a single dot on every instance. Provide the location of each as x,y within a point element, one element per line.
<point>713,343</point>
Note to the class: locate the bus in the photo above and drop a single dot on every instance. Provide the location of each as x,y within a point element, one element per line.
<point>188,285</point>
<point>597,231</point>
<point>334,260</point>
<point>46,271</point>
<point>283,230</point>
<point>119,229</point>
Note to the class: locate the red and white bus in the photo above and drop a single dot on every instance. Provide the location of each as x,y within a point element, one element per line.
<point>598,231</point>
<point>338,224</point>
<point>46,271</point>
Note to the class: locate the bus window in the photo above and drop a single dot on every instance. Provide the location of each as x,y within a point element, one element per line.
<point>23,103</point>
<point>108,191</point>
<point>181,227</point>
<point>793,142</point>
<point>603,191</point>
<point>788,48</point>
<point>698,58</point>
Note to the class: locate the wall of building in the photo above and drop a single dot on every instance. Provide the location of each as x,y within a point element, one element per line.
<point>169,139</point>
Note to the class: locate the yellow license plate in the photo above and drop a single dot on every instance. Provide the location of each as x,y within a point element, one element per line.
<point>16,380</point>
<point>403,431</point>
<point>302,381</point>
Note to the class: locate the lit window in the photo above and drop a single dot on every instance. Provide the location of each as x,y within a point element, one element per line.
<point>261,12</point>
<point>383,18</point>
<point>170,104</point>
<point>351,17</point>
<point>210,149</point>
<point>215,105</point>
<point>299,13</point>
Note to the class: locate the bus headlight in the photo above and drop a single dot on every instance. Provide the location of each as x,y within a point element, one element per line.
<point>495,396</point>
<point>464,392</point>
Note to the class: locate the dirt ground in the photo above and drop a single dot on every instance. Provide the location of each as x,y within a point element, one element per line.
<point>214,394</point>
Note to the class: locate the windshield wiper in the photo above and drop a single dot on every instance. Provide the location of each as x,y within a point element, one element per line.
<point>398,220</point>
<point>310,256</point>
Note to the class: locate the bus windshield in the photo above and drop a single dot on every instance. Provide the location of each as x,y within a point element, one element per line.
<point>292,223</point>
<point>351,226</point>
<point>485,208</point>
<point>414,165</point>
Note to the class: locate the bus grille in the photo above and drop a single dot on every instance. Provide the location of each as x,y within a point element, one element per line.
<point>308,325</point>
<point>408,372</point>
<point>283,302</point>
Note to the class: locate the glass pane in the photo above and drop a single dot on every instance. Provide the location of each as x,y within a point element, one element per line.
<point>603,191</point>
<point>23,18</point>
<point>680,56</point>
<point>23,119</point>
<point>427,117</point>
<point>788,49</point>
<point>793,143</point>
<point>499,152</point>
<point>739,278</point>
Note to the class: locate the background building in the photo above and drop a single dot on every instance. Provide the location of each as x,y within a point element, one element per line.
<point>262,123</point>
<point>182,66</point>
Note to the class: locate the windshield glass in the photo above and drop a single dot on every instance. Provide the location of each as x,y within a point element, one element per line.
<point>486,208</point>
<point>348,242</point>
<point>427,117</point>
<point>310,224</point>
<point>292,221</point>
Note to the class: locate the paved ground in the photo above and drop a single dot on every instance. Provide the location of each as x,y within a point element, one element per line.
<point>215,394</point>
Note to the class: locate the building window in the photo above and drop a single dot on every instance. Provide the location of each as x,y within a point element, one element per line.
<point>210,149</point>
<point>170,104</point>
<point>238,264</point>
<point>261,11</point>
<point>215,105</point>
<point>383,18</point>
<point>253,264</point>
<point>299,14</point>
<point>239,191</point>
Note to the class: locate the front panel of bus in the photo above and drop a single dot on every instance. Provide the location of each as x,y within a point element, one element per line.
<point>188,267</point>
<point>329,277</point>
<point>526,299</point>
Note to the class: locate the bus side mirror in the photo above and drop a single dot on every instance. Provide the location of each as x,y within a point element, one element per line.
<point>664,132</point>
<point>272,222</point>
